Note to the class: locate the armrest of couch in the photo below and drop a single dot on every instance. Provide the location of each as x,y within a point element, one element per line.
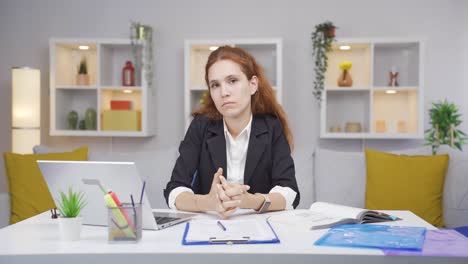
<point>4,209</point>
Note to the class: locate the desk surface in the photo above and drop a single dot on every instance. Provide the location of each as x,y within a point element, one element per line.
<point>38,238</point>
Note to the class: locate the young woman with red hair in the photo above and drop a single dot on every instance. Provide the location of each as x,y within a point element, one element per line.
<point>237,151</point>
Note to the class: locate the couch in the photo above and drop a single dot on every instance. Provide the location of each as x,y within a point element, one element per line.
<point>322,175</point>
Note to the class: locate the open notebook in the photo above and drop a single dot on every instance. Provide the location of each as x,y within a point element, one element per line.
<point>247,231</point>
<point>325,215</point>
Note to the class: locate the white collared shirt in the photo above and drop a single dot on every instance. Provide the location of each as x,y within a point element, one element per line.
<point>236,156</point>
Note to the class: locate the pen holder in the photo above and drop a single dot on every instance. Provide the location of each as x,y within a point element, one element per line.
<point>124,223</point>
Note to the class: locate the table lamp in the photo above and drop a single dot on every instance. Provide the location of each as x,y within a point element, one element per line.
<point>26,109</point>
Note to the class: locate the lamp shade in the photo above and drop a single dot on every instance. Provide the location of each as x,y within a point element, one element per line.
<point>26,109</point>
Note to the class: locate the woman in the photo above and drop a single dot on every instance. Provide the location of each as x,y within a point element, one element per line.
<point>237,151</point>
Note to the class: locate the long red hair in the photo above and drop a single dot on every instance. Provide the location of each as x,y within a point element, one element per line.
<point>263,101</point>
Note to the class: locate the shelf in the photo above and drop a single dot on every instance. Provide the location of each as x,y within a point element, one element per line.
<point>73,100</point>
<point>347,89</point>
<point>349,107</point>
<point>265,55</point>
<point>195,97</point>
<point>87,133</point>
<point>403,56</point>
<point>106,58</point>
<point>198,88</point>
<point>395,113</point>
<point>383,111</point>
<point>359,54</point>
<point>113,59</point>
<point>67,60</point>
<point>108,95</point>
<point>122,88</point>
<point>369,136</point>
<point>77,87</point>
<point>267,52</point>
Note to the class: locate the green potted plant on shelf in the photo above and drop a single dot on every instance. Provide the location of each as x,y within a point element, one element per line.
<point>70,205</point>
<point>82,78</point>
<point>322,39</point>
<point>445,119</point>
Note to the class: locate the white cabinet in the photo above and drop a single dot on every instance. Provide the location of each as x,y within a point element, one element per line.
<point>267,52</point>
<point>372,107</point>
<point>132,106</point>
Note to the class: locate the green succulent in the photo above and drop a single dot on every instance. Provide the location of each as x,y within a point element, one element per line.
<point>71,204</point>
<point>445,119</point>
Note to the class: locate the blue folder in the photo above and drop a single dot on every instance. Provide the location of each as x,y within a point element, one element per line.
<point>237,240</point>
<point>374,236</point>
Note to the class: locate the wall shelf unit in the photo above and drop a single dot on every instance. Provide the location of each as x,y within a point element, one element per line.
<point>105,59</point>
<point>371,108</point>
<point>268,53</point>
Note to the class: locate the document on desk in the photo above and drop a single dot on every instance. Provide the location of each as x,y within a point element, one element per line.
<point>325,215</point>
<point>245,231</point>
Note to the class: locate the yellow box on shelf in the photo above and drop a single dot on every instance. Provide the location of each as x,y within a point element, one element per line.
<point>121,120</point>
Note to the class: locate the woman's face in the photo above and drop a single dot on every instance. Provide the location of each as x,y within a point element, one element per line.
<point>230,90</point>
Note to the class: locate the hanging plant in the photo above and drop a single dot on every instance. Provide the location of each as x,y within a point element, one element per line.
<point>444,122</point>
<point>322,38</point>
<point>141,37</point>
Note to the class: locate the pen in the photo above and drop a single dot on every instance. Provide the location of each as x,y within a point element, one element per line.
<point>134,211</point>
<point>133,204</point>
<point>142,191</point>
<point>221,225</point>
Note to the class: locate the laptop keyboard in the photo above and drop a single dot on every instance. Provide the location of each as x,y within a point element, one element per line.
<point>162,220</point>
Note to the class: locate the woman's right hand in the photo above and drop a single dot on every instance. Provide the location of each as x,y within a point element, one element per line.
<point>222,204</point>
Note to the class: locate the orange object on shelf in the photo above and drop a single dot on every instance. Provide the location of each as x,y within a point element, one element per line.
<point>380,126</point>
<point>120,105</point>
<point>402,126</point>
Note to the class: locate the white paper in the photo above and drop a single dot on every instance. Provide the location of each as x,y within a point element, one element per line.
<point>251,229</point>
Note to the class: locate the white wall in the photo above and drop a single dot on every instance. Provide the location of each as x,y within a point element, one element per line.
<point>26,26</point>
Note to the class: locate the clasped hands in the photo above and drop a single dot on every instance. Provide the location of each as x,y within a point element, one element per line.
<point>227,197</point>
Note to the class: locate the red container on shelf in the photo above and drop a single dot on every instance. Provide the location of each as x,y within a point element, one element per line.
<point>128,74</point>
<point>120,105</point>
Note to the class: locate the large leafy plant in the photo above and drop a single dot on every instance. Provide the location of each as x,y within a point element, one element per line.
<point>71,204</point>
<point>322,39</point>
<point>445,119</point>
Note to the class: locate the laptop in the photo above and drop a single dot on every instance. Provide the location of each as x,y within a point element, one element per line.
<point>120,177</point>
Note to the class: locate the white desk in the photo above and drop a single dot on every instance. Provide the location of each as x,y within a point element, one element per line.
<point>36,240</point>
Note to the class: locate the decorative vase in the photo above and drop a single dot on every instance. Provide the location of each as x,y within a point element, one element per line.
<point>72,120</point>
<point>353,127</point>
<point>70,228</point>
<point>81,125</point>
<point>90,119</point>
<point>128,74</point>
<point>345,79</point>
<point>82,79</point>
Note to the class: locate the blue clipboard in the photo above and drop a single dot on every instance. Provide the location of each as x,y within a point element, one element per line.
<point>229,241</point>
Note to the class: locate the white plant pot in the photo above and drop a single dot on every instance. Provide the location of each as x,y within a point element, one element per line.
<point>70,228</point>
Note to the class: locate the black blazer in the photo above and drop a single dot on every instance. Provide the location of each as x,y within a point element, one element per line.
<point>203,151</point>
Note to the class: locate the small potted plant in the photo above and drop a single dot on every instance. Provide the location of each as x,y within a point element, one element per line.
<point>70,205</point>
<point>82,78</point>
<point>322,38</point>
<point>444,122</point>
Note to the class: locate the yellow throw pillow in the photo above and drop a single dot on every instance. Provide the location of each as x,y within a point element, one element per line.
<point>29,194</point>
<point>400,182</point>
